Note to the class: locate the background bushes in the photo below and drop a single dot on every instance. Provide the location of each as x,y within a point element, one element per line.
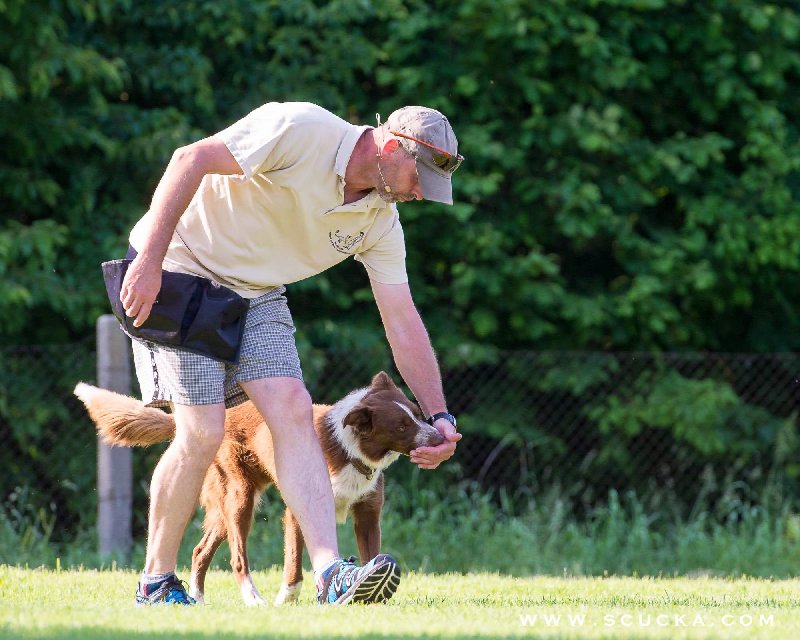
<point>631,184</point>
<point>631,178</point>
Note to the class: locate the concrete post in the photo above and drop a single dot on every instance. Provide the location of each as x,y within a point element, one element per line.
<point>114,464</point>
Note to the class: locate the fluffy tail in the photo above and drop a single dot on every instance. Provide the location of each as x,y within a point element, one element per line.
<point>124,421</point>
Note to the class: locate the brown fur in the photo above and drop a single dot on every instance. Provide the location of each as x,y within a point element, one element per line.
<point>244,467</point>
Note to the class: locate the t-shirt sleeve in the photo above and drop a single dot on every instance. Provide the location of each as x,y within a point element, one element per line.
<point>258,141</point>
<point>385,260</point>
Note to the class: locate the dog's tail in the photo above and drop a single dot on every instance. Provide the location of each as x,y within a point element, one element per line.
<point>125,421</point>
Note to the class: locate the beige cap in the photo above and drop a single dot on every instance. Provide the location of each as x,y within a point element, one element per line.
<point>427,134</point>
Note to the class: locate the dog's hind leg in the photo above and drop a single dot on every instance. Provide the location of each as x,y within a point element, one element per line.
<point>367,523</point>
<point>215,533</point>
<point>214,529</point>
<point>293,545</point>
<point>238,505</point>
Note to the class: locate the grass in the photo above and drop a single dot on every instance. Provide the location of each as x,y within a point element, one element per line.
<point>91,604</point>
<point>523,571</point>
<point>473,532</point>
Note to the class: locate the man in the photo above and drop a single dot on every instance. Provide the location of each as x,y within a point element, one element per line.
<point>281,195</point>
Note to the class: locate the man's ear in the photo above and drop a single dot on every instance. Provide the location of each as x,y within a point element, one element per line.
<point>390,146</point>
<point>360,419</point>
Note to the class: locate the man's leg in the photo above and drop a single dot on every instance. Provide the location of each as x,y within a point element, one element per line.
<point>178,479</point>
<point>306,488</point>
<point>302,473</point>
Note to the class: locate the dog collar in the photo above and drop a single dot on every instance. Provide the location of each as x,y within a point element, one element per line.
<point>363,469</point>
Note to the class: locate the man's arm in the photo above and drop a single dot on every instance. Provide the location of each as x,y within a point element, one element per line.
<point>175,191</point>
<point>416,361</point>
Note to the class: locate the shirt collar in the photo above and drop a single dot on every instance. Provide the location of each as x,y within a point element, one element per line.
<point>372,200</point>
<point>346,148</point>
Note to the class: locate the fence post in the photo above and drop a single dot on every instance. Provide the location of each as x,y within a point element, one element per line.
<point>114,464</point>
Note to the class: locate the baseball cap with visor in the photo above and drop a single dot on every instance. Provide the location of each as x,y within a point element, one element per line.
<point>427,135</point>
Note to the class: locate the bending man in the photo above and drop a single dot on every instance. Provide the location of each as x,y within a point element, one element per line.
<point>281,195</point>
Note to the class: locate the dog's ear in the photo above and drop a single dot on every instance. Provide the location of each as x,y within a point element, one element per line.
<point>360,419</point>
<point>382,381</point>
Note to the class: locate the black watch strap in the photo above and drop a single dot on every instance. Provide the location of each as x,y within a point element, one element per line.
<point>447,416</point>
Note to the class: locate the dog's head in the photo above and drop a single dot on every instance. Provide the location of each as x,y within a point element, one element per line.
<point>385,420</point>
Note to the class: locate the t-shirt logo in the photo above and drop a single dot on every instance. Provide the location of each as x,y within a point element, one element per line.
<point>345,243</point>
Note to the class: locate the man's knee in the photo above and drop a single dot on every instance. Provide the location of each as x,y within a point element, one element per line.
<point>283,402</point>
<point>295,415</point>
<point>298,404</point>
<point>200,428</point>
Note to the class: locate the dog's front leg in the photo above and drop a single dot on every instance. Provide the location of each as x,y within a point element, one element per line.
<point>367,523</point>
<point>293,545</point>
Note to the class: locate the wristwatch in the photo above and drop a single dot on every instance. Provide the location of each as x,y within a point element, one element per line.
<point>447,416</point>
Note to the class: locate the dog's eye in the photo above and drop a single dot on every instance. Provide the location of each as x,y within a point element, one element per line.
<point>401,428</point>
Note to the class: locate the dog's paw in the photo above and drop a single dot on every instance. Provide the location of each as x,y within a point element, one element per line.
<point>195,593</point>
<point>250,595</point>
<point>288,594</point>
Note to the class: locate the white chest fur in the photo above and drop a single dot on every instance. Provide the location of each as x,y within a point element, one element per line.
<point>349,486</point>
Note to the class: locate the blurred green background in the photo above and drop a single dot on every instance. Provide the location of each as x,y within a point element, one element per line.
<point>631,186</point>
<point>631,178</point>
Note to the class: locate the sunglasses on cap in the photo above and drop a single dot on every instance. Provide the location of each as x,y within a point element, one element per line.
<point>445,160</point>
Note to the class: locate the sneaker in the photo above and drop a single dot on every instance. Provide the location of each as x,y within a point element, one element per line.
<point>346,582</point>
<point>170,591</point>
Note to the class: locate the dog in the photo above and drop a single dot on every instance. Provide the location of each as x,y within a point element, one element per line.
<point>361,435</point>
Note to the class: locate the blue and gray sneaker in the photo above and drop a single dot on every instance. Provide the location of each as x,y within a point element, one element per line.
<point>344,581</point>
<point>169,591</point>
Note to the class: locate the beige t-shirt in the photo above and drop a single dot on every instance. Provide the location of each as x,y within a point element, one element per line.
<point>284,220</point>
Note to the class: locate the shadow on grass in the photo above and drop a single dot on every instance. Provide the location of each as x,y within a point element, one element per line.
<point>94,634</point>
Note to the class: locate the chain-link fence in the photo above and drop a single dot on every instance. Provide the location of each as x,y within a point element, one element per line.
<point>533,421</point>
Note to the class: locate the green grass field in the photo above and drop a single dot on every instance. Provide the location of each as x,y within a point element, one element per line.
<point>89,605</point>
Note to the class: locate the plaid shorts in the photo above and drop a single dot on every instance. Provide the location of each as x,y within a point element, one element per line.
<point>168,375</point>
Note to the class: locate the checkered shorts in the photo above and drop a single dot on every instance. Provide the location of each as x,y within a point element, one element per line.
<point>168,375</point>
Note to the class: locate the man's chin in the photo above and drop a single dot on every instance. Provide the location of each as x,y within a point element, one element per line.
<point>393,198</point>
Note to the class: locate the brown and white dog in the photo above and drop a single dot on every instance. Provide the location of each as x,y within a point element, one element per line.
<point>361,435</point>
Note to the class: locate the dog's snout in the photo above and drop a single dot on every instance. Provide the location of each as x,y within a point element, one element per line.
<point>431,437</point>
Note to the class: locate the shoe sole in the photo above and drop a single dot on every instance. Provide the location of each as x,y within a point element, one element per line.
<point>163,603</point>
<point>378,586</point>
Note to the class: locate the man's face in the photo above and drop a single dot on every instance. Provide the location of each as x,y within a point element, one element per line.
<point>400,172</point>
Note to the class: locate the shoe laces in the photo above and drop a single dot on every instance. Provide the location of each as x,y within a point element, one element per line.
<point>180,593</point>
<point>337,579</point>
<point>346,575</point>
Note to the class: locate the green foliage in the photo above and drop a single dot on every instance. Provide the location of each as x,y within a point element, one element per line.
<point>25,531</point>
<point>631,178</point>
<point>631,183</point>
<point>467,530</point>
<point>637,156</point>
<point>48,452</point>
<point>622,535</point>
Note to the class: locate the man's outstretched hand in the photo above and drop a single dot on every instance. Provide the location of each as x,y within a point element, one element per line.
<point>432,457</point>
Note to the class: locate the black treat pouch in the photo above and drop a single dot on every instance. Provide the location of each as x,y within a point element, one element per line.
<point>190,313</point>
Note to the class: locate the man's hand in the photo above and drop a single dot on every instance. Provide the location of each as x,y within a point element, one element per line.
<point>432,457</point>
<point>139,289</point>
